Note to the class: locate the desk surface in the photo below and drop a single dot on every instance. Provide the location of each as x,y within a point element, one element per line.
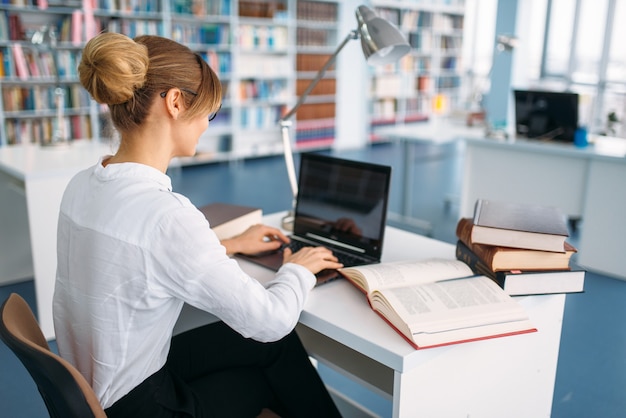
<point>444,130</point>
<point>510,376</point>
<point>340,311</point>
<point>601,147</point>
<point>435,130</point>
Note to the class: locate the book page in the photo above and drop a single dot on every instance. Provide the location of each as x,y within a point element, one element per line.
<point>401,273</point>
<point>450,305</point>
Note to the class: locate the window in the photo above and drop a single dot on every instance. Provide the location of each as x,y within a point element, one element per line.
<point>589,34</point>
<point>478,45</point>
<point>559,34</point>
<point>616,67</point>
<point>584,53</point>
<point>569,45</point>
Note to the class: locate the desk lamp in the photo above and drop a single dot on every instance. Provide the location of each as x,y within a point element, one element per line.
<point>382,43</point>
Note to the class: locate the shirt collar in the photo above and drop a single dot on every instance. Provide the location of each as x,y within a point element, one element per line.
<point>121,170</point>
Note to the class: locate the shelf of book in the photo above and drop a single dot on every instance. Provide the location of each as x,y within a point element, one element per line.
<point>265,52</point>
<point>431,73</point>
<point>316,40</point>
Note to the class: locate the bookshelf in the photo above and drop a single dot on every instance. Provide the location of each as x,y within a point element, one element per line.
<point>265,51</point>
<point>262,84</point>
<point>208,29</point>
<point>316,40</point>
<point>427,80</point>
<point>39,56</point>
<point>246,42</point>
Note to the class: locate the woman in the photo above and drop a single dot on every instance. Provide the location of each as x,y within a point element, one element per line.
<point>131,252</point>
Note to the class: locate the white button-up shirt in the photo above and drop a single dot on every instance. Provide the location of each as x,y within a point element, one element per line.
<point>130,253</point>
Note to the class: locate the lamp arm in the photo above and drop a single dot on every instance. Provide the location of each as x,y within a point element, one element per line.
<point>288,154</point>
<point>285,123</point>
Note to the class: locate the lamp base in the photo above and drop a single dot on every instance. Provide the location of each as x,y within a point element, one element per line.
<point>287,221</point>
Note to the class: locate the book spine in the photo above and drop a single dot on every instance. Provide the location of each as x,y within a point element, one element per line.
<point>91,26</point>
<point>464,230</point>
<point>20,62</point>
<point>466,255</point>
<point>477,210</point>
<point>485,253</point>
<point>77,27</point>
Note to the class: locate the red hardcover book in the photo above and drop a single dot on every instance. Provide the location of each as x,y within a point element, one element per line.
<point>426,302</point>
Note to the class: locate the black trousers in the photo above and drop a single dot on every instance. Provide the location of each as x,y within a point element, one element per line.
<point>213,371</point>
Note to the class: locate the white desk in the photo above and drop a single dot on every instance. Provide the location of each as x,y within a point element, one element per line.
<point>435,131</point>
<point>511,376</point>
<point>585,183</point>
<point>504,377</point>
<point>32,181</point>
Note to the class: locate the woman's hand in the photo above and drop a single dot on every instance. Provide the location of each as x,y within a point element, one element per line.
<point>256,239</point>
<point>262,238</point>
<point>315,259</point>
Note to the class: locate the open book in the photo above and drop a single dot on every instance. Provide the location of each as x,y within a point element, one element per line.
<point>438,302</point>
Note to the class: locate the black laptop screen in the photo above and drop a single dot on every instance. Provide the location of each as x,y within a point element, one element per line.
<point>343,200</point>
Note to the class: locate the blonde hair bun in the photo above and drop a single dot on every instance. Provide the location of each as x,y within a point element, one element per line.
<point>113,67</point>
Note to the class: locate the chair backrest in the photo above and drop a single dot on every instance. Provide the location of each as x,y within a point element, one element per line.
<point>64,390</point>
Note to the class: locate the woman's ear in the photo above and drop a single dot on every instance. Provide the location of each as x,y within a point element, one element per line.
<point>174,103</point>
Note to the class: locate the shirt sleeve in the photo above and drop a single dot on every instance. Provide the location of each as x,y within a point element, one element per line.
<point>188,262</point>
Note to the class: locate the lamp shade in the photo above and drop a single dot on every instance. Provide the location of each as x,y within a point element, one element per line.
<point>381,40</point>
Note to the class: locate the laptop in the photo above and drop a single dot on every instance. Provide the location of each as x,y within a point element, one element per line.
<point>341,205</point>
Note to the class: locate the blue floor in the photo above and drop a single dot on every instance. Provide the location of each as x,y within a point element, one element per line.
<point>591,374</point>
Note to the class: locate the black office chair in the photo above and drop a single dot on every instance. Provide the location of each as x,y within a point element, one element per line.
<point>64,390</point>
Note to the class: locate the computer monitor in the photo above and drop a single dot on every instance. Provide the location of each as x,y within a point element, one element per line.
<point>546,114</point>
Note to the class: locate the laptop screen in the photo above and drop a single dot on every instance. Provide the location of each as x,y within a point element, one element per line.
<point>342,203</point>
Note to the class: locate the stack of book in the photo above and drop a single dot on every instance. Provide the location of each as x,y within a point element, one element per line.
<point>521,247</point>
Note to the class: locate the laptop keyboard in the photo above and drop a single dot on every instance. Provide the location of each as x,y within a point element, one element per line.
<point>348,260</point>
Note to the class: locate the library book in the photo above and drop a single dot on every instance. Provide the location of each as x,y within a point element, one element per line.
<point>499,258</point>
<point>437,302</point>
<point>523,282</point>
<point>519,225</point>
